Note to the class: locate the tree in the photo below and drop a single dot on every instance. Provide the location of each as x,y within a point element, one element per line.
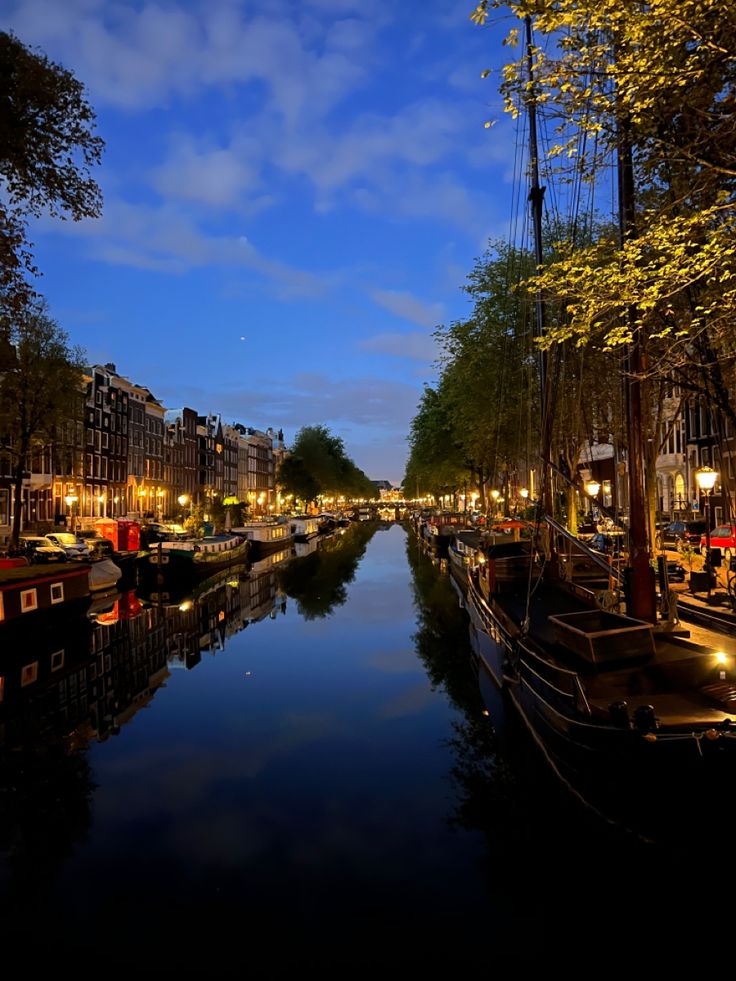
<point>47,147</point>
<point>318,465</point>
<point>436,464</point>
<point>38,393</point>
<point>652,86</point>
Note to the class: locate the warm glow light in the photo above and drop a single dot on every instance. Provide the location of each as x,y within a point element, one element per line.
<point>70,499</point>
<point>706,478</point>
<point>592,487</point>
<point>183,499</point>
<point>186,605</point>
<point>721,658</point>
<point>524,493</point>
<point>495,494</point>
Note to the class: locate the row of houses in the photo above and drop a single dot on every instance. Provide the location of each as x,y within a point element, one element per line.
<point>126,455</point>
<point>691,433</point>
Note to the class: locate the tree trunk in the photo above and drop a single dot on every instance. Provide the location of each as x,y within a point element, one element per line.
<point>17,499</point>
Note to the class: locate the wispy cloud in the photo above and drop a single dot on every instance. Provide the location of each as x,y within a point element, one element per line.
<point>409,307</point>
<point>417,346</point>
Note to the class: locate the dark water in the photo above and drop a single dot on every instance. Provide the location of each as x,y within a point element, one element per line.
<point>297,771</point>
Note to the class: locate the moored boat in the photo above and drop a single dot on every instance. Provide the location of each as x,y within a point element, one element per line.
<point>198,557</point>
<point>265,537</point>
<point>104,575</point>
<point>304,527</point>
<point>27,593</point>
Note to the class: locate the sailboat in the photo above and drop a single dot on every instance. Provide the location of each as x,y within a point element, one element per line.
<point>633,715</point>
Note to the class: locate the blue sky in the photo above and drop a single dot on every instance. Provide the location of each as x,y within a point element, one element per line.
<point>294,193</point>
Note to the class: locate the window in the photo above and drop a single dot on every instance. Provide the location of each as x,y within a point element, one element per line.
<point>57,592</point>
<point>57,660</point>
<point>28,600</point>
<point>105,441</point>
<point>28,674</point>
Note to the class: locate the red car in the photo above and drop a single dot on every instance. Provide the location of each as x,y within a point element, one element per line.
<point>723,537</point>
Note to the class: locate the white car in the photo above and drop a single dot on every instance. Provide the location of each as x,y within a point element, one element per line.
<point>73,547</point>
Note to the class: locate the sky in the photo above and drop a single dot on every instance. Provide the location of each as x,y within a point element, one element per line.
<point>294,195</point>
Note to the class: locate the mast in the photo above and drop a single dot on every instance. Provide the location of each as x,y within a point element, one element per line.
<point>639,584</point>
<point>536,197</point>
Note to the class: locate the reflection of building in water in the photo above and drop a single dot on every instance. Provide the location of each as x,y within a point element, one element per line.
<point>128,666</point>
<point>261,596</point>
<point>44,683</point>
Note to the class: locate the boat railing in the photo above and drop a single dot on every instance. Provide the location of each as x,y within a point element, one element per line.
<point>596,557</point>
<point>563,682</point>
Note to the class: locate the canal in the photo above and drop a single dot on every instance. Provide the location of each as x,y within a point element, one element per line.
<point>299,768</point>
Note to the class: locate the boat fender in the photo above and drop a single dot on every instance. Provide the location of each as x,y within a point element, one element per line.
<point>644,718</point>
<point>619,714</point>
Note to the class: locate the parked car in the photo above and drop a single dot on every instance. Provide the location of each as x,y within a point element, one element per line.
<point>36,548</point>
<point>99,547</point>
<point>689,532</point>
<point>73,547</point>
<point>723,537</point>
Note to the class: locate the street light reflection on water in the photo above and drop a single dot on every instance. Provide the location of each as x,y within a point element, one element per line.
<point>307,753</point>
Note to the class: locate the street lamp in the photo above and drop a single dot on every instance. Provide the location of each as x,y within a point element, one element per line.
<point>70,500</point>
<point>706,480</point>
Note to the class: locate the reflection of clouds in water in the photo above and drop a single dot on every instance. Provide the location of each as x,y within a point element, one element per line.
<point>379,602</point>
<point>185,775</point>
<point>412,701</point>
<point>395,662</point>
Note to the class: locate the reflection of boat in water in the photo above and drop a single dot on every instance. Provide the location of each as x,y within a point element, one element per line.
<point>302,549</point>
<point>271,561</point>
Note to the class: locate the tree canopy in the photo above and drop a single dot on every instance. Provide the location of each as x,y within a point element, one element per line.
<point>317,465</point>
<point>47,149</point>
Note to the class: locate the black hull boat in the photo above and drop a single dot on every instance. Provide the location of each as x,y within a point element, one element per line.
<point>637,721</point>
<point>197,559</point>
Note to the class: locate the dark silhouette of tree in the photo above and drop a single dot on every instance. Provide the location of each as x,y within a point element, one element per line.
<point>39,392</point>
<point>47,147</point>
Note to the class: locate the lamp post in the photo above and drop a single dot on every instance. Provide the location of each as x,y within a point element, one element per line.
<point>183,500</point>
<point>706,480</point>
<point>495,494</point>
<point>70,500</point>
<point>591,489</point>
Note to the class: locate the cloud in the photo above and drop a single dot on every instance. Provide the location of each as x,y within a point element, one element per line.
<point>406,306</point>
<point>417,346</point>
<point>144,56</point>
<point>212,176</point>
<point>166,239</point>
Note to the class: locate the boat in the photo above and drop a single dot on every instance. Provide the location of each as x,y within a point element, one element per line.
<point>28,594</point>
<point>198,557</point>
<point>104,575</point>
<point>266,537</point>
<point>634,716</point>
<point>304,527</point>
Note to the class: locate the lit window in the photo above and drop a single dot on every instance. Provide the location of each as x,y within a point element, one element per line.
<point>28,674</point>
<point>28,600</point>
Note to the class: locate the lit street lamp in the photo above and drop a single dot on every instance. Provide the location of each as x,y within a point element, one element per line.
<point>70,500</point>
<point>706,480</point>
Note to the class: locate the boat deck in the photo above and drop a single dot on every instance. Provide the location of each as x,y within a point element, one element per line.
<point>690,682</point>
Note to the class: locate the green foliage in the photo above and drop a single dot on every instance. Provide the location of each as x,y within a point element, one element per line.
<point>435,464</point>
<point>318,465</point>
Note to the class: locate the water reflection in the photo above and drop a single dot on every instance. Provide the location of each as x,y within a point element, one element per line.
<point>319,577</point>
